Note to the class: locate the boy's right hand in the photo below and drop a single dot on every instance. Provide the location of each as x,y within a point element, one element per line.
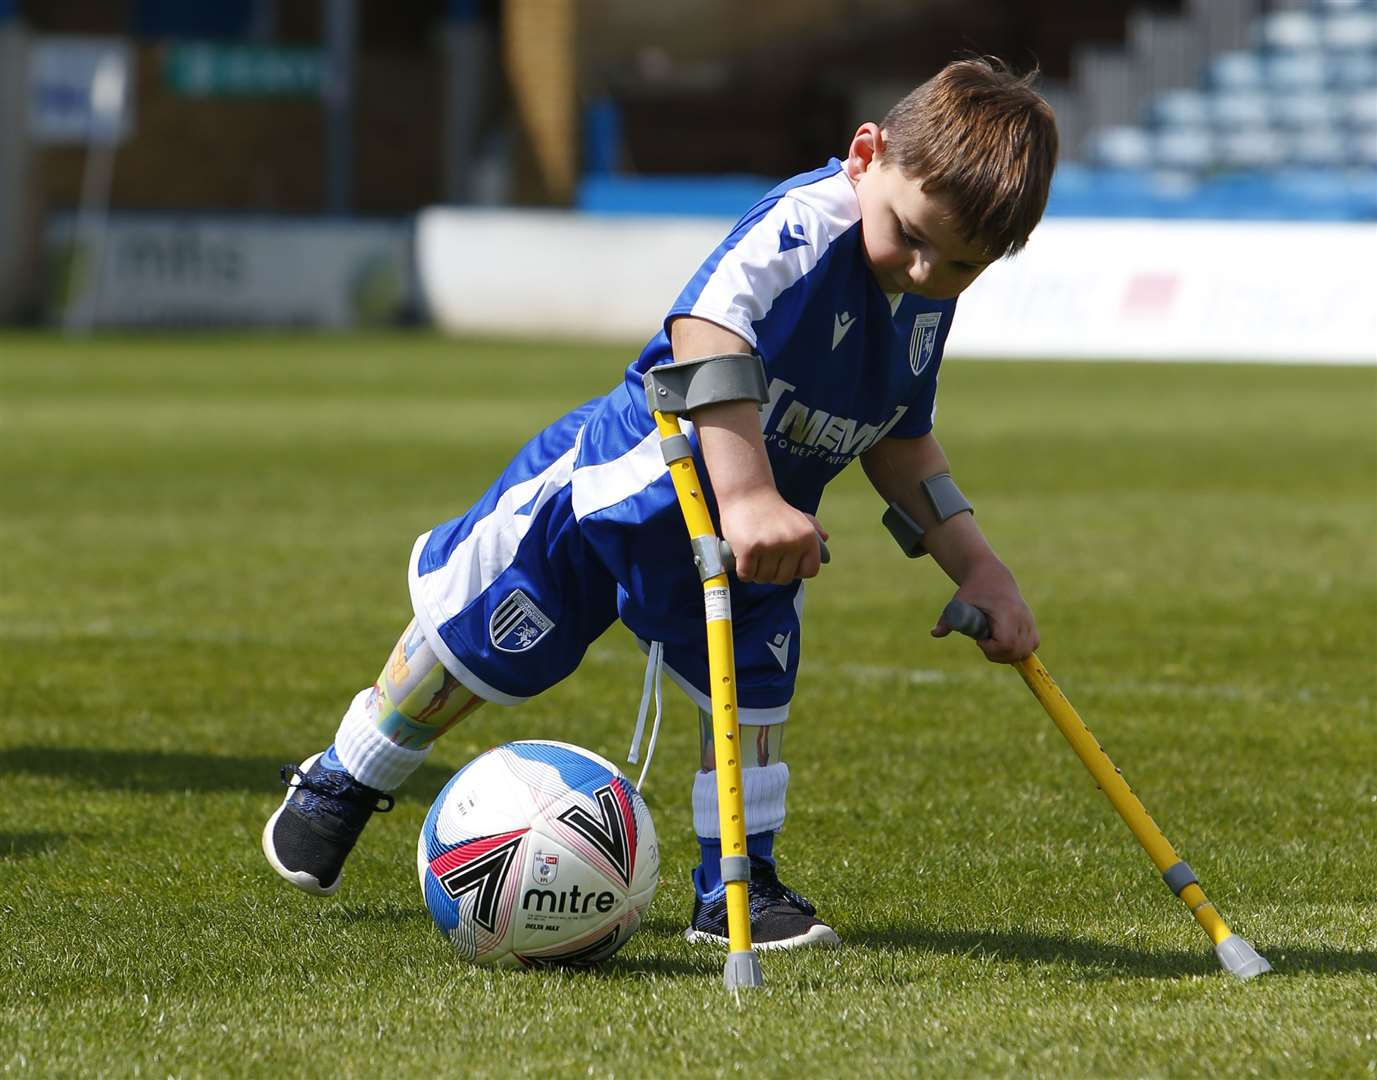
<point>774,543</point>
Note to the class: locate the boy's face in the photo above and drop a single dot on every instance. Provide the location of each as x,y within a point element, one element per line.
<point>909,236</point>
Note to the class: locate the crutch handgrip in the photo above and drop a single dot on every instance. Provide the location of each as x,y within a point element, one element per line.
<point>729,556</point>
<point>966,619</point>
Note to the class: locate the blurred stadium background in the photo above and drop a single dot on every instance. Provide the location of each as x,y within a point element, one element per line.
<point>203,535</point>
<point>279,162</point>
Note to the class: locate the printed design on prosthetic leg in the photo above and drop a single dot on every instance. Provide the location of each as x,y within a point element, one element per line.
<point>369,755</point>
<point>310,835</point>
<point>766,739</point>
<point>416,700</point>
<point>332,795</point>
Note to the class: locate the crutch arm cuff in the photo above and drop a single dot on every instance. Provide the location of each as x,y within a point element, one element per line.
<point>907,533</point>
<point>946,501</point>
<point>945,497</point>
<point>681,387</point>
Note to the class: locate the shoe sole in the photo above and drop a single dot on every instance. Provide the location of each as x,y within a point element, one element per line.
<point>820,936</point>
<point>302,880</point>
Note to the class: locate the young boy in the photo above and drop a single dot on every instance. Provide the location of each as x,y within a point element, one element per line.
<point>843,282</point>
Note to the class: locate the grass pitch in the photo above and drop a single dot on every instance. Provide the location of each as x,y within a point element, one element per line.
<point>202,557</point>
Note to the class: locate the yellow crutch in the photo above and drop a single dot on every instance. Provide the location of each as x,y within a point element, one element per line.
<point>673,389</point>
<point>743,966</point>
<point>1236,956</point>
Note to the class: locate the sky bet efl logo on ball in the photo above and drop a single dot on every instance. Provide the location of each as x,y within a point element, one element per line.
<point>517,624</point>
<point>544,868</point>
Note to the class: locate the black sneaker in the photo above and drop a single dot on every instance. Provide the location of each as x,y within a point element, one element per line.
<point>309,836</point>
<point>780,917</point>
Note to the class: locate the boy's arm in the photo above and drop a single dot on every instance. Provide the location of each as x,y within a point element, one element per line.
<point>896,467</point>
<point>774,543</point>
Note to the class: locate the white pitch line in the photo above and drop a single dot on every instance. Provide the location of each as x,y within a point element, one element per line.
<point>1111,687</point>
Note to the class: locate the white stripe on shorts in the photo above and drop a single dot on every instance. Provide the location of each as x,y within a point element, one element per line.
<point>479,560</point>
<point>596,487</point>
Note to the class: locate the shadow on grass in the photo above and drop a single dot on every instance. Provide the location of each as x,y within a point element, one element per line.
<point>1105,961</point>
<point>27,845</point>
<point>157,771</point>
<point>642,963</point>
<point>1319,961</point>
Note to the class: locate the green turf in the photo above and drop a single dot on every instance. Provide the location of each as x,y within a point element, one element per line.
<point>202,557</point>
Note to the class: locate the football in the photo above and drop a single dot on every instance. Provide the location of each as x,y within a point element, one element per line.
<point>538,853</point>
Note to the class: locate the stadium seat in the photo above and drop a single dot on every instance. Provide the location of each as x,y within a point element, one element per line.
<point>1362,149</point>
<point>1297,70</point>
<point>1353,69</point>
<point>1120,147</point>
<point>1290,30</point>
<point>1355,30</point>
<point>1360,108</point>
<point>1239,110</point>
<point>1250,149</point>
<point>1184,148</point>
<point>1316,147</point>
<point>1338,6</point>
<point>1180,108</point>
<point>1306,110</point>
<point>1241,69</point>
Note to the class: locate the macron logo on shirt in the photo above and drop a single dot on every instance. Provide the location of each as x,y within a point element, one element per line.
<point>791,236</point>
<point>845,321</point>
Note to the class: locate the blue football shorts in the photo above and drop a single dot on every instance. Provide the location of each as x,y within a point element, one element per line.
<point>511,593</point>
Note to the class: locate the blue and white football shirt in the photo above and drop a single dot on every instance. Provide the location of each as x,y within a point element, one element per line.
<point>847,365</point>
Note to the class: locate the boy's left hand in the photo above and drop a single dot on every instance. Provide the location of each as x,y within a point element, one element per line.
<point>1013,632</point>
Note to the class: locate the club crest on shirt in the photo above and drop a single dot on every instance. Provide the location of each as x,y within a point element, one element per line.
<point>924,341</point>
<point>517,624</point>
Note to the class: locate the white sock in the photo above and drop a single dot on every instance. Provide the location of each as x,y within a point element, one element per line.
<point>369,755</point>
<point>762,791</point>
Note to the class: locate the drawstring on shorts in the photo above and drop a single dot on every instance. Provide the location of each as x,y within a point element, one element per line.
<point>654,667</point>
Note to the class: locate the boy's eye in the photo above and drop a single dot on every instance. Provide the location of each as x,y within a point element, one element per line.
<point>908,238</point>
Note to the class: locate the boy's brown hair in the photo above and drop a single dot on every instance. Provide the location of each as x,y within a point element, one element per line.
<point>982,138</point>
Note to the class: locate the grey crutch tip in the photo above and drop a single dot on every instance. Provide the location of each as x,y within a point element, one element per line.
<point>743,969</point>
<point>1240,959</point>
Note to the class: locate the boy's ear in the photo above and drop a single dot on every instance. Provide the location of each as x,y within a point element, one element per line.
<point>866,147</point>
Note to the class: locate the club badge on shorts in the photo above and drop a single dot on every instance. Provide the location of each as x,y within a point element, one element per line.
<point>924,341</point>
<point>517,624</point>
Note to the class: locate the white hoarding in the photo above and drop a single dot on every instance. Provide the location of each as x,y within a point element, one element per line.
<point>542,272</point>
<point>1102,289</point>
<point>1179,290</point>
<point>147,270</point>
